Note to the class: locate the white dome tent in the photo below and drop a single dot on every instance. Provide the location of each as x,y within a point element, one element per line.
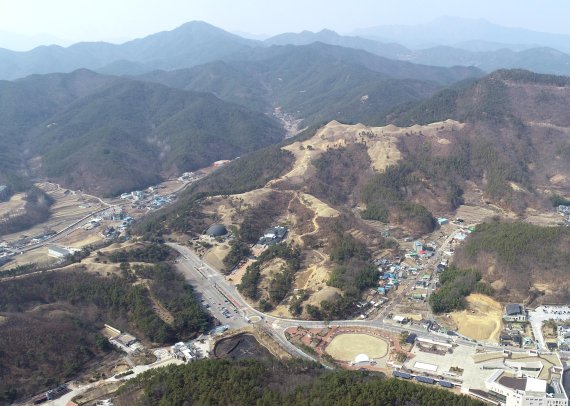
<point>361,359</point>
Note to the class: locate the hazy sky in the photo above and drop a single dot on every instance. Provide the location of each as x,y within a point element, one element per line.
<point>77,20</point>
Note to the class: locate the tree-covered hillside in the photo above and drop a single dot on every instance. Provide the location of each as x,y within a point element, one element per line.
<point>43,314</point>
<point>520,258</point>
<point>513,142</point>
<point>316,82</point>
<point>107,135</point>
<point>221,382</point>
<point>30,102</point>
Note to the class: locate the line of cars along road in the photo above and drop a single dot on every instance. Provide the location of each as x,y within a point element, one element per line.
<point>224,311</point>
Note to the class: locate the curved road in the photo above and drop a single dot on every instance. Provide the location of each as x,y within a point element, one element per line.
<point>208,281</point>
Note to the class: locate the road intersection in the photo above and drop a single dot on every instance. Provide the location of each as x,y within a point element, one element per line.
<point>211,284</point>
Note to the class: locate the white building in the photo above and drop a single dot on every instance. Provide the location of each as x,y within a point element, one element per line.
<point>182,351</point>
<point>526,391</point>
<point>58,252</point>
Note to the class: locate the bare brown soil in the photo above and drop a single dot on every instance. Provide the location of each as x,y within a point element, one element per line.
<point>481,321</point>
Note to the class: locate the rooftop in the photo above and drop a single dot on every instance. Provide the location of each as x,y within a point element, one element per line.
<point>125,339</point>
<point>512,382</point>
<point>535,385</point>
<point>512,309</point>
<point>59,250</point>
<point>217,230</point>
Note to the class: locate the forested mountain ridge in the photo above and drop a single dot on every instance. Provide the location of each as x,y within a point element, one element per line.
<point>507,128</point>
<point>89,121</point>
<point>515,141</point>
<point>541,59</point>
<point>26,103</point>
<point>501,141</point>
<point>107,135</point>
<point>191,44</point>
<point>316,82</point>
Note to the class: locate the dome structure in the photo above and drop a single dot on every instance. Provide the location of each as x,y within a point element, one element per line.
<point>216,230</point>
<point>361,358</point>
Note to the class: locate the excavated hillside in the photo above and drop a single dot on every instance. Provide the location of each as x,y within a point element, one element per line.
<point>499,146</point>
<point>319,198</point>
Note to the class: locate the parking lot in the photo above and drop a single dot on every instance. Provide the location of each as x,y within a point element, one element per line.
<point>543,313</point>
<point>210,296</point>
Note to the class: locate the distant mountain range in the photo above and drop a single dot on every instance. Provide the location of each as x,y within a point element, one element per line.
<point>483,55</point>
<point>444,42</point>
<point>21,42</point>
<point>191,44</point>
<point>454,31</point>
<point>316,82</point>
<point>197,94</point>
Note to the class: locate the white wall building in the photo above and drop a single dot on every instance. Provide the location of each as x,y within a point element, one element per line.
<point>183,351</point>
<point>58,252</point>
<point>525,391</point>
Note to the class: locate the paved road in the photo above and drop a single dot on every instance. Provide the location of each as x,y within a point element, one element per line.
<point>139,369</point>
<point>84,220</point>
<point>206,282</point>
<point>210,283</point>
<point>400,295</point>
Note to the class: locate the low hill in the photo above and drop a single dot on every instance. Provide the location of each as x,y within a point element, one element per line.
<point>523,262</point>
<point>107,135</point>
<point>69,308</point>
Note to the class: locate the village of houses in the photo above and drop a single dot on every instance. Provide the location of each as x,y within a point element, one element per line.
<point>401,298</point>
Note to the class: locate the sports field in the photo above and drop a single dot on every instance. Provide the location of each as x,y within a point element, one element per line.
<point>345,347</point>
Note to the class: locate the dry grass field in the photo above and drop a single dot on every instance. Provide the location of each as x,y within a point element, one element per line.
<point>483,319</point>
<point>381,143</point>
<point>36,256</point>
<point>68,208</point>
<point>345,347</point>
<point>13,205</point>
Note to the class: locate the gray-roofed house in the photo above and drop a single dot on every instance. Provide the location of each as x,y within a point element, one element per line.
<point>514,312</point>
